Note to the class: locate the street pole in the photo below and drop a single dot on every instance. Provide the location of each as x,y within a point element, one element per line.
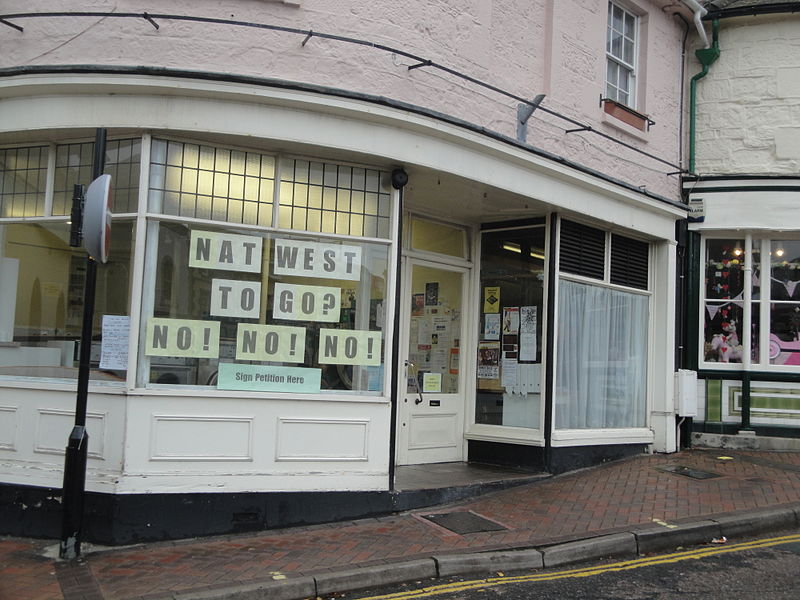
<point>78,443</point>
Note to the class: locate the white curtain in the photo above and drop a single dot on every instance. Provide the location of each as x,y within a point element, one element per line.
<point>601,372</point>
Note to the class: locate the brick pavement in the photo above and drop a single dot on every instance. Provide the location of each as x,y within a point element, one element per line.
<point>612,497</point>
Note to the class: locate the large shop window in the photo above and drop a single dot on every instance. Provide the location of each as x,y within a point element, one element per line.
<point>510,347</point>
<point>261,273</point>
<point>42,276</point>
<point>259,309</point>
<point>774,300</point>
<point>601,367</point>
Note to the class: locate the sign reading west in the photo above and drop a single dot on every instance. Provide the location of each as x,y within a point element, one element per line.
<point>313,259</point>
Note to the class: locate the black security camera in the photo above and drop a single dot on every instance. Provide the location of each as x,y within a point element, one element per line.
<point>399,179</point>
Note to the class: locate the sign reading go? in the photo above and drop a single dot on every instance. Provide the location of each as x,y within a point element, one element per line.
<point>97,219</point>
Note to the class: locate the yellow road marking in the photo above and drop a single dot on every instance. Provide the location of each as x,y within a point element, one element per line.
<point>449,588</point>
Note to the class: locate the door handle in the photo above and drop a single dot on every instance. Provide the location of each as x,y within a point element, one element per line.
<point>418,399</point>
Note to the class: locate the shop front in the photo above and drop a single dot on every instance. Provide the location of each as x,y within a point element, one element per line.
<point>282,323</point>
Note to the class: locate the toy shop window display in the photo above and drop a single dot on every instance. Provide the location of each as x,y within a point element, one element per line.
<point>724,301</point>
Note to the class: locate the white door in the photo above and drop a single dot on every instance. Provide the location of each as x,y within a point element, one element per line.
<point>432,403</point>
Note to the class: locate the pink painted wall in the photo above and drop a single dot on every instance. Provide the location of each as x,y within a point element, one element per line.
<point>527,47</point>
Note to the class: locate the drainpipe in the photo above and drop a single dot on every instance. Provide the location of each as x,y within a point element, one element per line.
<point>707,57</point>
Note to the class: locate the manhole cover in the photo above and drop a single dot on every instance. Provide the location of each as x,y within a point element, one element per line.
<point>689,472</point>
<point>464,522</point>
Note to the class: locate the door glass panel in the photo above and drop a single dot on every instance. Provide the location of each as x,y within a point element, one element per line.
<point>510,346</point>
<point>435,330</point>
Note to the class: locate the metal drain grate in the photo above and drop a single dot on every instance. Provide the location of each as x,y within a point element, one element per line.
<point>689,472</point>
<point>464,522</point>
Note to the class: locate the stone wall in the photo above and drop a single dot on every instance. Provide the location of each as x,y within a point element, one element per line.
<point>748,111</point>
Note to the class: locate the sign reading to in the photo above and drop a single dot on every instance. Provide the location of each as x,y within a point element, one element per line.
<point>306,303</point>
<point>231,298</point>
<point>313,259</point>
<point>261,378</point>
<point>270,343</point>
<point>227,251</point>
<point>177,337</point>
<point>349,347</point>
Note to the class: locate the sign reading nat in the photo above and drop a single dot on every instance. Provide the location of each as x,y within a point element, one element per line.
<point>226,251</point>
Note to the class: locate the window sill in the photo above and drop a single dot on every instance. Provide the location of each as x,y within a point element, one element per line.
<point>600,437</point>
<point>625,119</point>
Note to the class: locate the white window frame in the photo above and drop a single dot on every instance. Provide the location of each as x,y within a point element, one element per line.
<point>618,62</point>
<point>760,307</point>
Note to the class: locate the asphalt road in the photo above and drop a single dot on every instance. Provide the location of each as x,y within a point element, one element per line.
<point>767,569</point>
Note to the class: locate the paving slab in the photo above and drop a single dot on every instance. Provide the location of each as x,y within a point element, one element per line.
<point>547,522</point>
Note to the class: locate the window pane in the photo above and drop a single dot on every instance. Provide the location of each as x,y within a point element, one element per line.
<point>438,237</point>
<point>616,44</point>
<point>601,371</point>
<point>784,334</point>
<point>436,307</point>
<point>22,181</point>
<point>723,332</point>
<point>619,16</point>
<point>339,189</point>
<point>510,327</point>
<point>785,269</point>
<point>42,299</point>
<point>272,306</point>
<point>724,269</point>
<point>630,26</point>
<point>627,51</point>
<point>211,181</point>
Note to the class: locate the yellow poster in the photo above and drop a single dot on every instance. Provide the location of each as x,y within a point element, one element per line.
<point>491,299</point>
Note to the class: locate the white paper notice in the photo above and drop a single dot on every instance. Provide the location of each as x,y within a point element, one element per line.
<point>114,348</point>
<point>509,371</point>
<point>491,326</point>
<point>527,333</point>
<point>424,332</point>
